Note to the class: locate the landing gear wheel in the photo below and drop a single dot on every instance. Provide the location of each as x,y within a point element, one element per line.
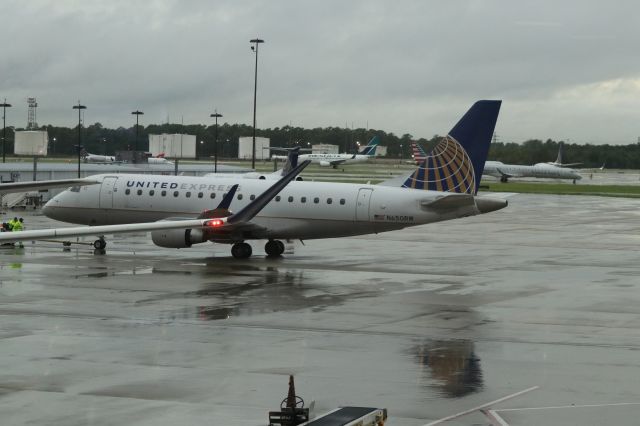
<point>241,250</point>
<point>274,248</point>
<point>503,179</point>
<point>99,244</point>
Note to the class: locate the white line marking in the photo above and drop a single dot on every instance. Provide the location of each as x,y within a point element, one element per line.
<point>480,407</point>
<point>494,418</point>
<point>570,406</point>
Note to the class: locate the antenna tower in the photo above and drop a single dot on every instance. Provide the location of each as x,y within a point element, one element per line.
<point>31,117</point>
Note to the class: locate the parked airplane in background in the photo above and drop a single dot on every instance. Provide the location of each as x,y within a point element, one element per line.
<point>418,153</point>
<point>558,161</point>
<point>541,170</point>
<point>335,160</point>
<point>174,208</point>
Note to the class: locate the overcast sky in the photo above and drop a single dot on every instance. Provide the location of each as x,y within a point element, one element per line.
<point>564,69</point>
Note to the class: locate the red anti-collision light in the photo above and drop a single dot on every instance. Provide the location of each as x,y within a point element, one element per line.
<point>214,223</point>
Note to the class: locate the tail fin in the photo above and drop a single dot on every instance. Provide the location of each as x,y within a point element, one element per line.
<point>560,151</point>
<point>457,162</point>
<point>292,160</point>
<point>370,148</point>
<point>418,153</point>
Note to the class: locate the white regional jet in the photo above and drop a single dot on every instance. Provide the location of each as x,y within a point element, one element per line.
<point>335,160</point>
<point>174,208</point>
<point>541,170</point>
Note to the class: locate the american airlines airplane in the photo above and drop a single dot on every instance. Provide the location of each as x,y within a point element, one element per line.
<point>176,208</point>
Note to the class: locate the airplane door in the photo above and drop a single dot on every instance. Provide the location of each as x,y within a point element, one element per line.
<point>362,205</point>
<point>106,192</point>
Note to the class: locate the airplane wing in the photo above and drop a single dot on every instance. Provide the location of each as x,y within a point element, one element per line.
<point>336,162</point>
<point>44,184</point>
<point>213,223</point>
<point>507,175</point>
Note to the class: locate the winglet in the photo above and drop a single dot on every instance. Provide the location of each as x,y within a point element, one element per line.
<point>253,208</point>
<point>223,208</point>
<point>292,160</point>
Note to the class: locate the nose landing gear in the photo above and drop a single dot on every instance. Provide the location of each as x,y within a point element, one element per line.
<point>99,244</point>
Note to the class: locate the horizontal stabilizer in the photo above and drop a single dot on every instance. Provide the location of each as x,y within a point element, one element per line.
<point>448,202</point>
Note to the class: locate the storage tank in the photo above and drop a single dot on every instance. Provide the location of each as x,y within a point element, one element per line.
<point>31,142</point>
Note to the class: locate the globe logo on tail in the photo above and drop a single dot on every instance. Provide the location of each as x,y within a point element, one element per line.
<point>447,168</point>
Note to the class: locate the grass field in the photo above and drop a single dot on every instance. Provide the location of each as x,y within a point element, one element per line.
<point>627,191</point>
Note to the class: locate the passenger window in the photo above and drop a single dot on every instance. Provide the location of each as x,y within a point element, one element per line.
<point>316,200</point>
<point>213,195</point>
<point>151,192</point>
<point>290,199</point>
<point>342,201</point>
<point>128,191</point>
<point>188,194</point>
<point>253,197</point>
<point>200,195</point>
<point>277,198</point>
<point>303,199</point>
<point>139,191</point>
<point>239,196</point>
<point>176,193</point>
<point>163,193</point>
<point>329,201</point>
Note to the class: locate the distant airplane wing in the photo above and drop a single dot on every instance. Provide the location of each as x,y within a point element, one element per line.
<point>336,162</point>
<point>44,184</point>
<point>507,175</point>
<point>211,222</point>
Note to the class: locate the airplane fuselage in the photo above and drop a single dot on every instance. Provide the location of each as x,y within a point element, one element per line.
<point>540,170</point>
<point>303,210</point>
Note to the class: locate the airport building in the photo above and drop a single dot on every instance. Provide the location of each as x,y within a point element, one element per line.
<point>173,145</point>
<point>31,142</point>
<point>245,148</point>
<point>325,148</point>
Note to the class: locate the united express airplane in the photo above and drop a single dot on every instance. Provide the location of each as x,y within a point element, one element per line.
<point>175,208</point>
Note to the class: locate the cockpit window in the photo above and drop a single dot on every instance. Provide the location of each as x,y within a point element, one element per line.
<point>74,189</point>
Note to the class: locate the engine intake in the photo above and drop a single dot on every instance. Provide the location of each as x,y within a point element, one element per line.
<point>177,238</point>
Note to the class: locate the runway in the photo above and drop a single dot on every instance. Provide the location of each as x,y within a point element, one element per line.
<point>426,322</point>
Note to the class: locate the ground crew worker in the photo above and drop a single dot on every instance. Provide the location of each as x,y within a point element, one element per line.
<point>17,225</point>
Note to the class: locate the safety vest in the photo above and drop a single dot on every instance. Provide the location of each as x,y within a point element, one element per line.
<point>17,226</point>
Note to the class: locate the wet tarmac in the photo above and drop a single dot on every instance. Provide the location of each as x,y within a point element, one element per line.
<point>426,322</point>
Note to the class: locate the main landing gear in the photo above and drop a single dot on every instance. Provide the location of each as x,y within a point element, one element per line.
<point>241,250</point>
<point>99,244</point>
<point>273,248</point>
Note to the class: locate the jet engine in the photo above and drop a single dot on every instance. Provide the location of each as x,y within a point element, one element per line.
<point>177,238</point>
<point>325,164</point>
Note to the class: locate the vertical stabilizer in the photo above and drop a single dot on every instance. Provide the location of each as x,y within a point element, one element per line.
<point>457,162</point>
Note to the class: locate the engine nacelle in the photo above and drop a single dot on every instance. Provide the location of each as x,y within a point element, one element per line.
<point>325,164</point>
<point>177,238</point>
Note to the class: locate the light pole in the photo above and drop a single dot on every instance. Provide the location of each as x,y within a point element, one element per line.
<point>257,42</point>
<point>4,106</point>
<point>137,114</point>
<point>79,146</point>
<point>215,142</point>
<point>53,147</point>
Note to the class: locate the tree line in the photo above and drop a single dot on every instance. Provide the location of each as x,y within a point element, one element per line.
<point>97,139</point>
